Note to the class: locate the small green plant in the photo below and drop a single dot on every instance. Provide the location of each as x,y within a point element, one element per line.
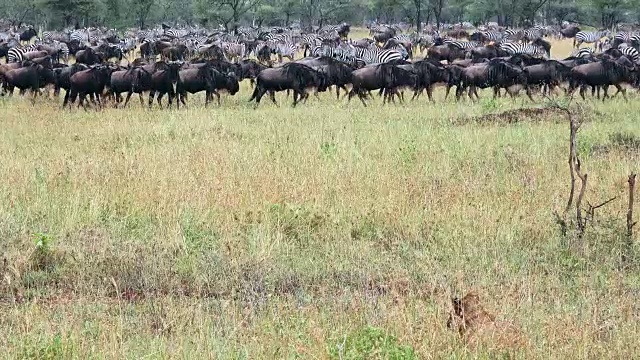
<point>42,257</point>
<point>42,242</point>
<point>408,152</point>
<point>328,149</point>
<point>489,105</point>
<point>371,343</point>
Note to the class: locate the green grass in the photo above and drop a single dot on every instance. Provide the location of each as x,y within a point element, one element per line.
<point>292,233</point>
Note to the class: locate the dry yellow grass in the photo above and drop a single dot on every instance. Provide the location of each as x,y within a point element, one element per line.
<point>234,233</point>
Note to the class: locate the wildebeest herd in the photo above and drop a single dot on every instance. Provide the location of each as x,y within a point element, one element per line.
<point>181,61</point>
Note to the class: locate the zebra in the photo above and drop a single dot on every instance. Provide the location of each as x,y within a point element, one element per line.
<point>513,34</point>
<point>15,54</point>
<point>630,52</point>
<point>234,51</point>
<point>492,36</point>
<point>285,50</point>
<point>531,34</point>
<point>583,52</point>
<point>377,56</point>
<point>529,49</point>
<point>464,45</point>
<point>590,37</point>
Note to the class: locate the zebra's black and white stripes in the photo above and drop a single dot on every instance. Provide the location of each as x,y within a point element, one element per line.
<point>590,37</point>
<point>377,56</point>
<point>518,48</point>
<point>15,54</point>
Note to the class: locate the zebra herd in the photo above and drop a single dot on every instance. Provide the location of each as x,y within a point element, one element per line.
<point>461,46</point>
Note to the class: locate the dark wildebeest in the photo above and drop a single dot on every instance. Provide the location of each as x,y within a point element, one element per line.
<point>174,53</point>
<point>263,54</point>
<point>337,73</point>
<point>108,51</point>
<point>28,34</point>
<point>90,82</point>
<point>132,80</point>
<point>548,74</point>
<point>163,81</point>
<point>250,69</point>
<point>429,73</point>
<point>486,52</point>
<point>540,42</point>
<point>205,79</point>
<point>447,52</point>
<point>31,77</point>
<point>343,30</point>
<point>88,56</point>
<point>602,73</point>
<point>291,76</point>
<point>382,76</point>
<point>63,78</point>
<point>570,33</point>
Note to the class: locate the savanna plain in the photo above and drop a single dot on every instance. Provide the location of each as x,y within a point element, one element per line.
<point>329,230</point>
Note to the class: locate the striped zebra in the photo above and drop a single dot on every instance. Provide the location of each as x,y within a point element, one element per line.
<point>234,51</point>
<point>15,54</point>
<point>377,56</point>
<point>309,41</point>
<point>583,52</point>
<point>285,50</point>
<point>531,34</point>
<point>464,45</point>
<point>529,49</point>
<point>630,52</point>
<point>513,34</point>
<point>492,36</point>
<point>592,37</point>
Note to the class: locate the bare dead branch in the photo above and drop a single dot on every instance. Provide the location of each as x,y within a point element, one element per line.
<point>581,221</point>
<point>630,223</point>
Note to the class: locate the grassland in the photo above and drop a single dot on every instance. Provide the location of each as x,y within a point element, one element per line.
<point>285,233</point>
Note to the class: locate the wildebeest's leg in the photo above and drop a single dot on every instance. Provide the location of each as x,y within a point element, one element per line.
<point>272,96</point>
<point>126,101</point>
<point>217,96</point>
<point>605,92</point>
<point>152,94</point>
<point>181,99</point>
<point>160,95</point>
<point>430,93</point>
<point>207,98</point>
<point>459,92</point>
<point>361,96</point>
<point>141,101</point>
<point>583,88</point>
<point>82,97</point>
<point>528,91</point>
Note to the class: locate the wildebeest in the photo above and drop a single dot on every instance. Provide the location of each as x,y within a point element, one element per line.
<point>163,81</point>
<point>291,76</point>
<point>89,56</point>
<point>63,78</point>
<point>487,52</point>
<point>205,79</point>
<point>90,82</point>
<point>28,34</point>
<point>602,73</point>
<point>382,76</point>
<point>447,52</point>
<point>250,69</point>
<point>132,80</point>
<point>337,73</point>
<point>31,77</point>
<point>570,33</point>
<point>547,74</point>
